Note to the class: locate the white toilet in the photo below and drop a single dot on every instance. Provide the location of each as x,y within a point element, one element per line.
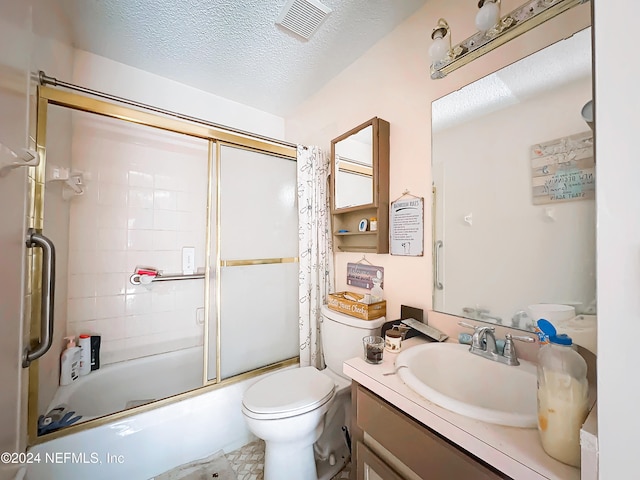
<point>300,412</point>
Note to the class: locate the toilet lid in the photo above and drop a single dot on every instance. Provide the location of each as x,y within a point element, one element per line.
<point>293,392</point>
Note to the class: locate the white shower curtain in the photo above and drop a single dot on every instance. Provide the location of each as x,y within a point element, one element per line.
<point>315,250</point>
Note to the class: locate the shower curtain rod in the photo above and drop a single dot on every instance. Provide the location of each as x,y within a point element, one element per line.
<point>47,80</point>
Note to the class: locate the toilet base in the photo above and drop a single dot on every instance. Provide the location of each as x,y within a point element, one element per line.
<point>282,462</point>
<point>326,471</point>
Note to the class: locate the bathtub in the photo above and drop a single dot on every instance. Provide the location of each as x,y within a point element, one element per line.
<point>143,445</point>
<point>122,385</point>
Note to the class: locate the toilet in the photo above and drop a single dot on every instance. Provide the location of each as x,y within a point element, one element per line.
<point>300,413</point>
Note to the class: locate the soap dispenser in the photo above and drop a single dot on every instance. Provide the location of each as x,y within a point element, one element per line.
<point>563,396</point>
<point>69,362</point>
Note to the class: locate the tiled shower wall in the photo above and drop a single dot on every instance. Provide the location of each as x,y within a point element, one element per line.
<point>145,199</point>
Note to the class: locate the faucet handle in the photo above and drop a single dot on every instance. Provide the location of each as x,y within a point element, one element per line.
<point>509,352</point>
<point>468,325</point>
<point>522,338</point>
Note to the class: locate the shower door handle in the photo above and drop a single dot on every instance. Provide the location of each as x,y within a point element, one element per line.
<point>35,239</point>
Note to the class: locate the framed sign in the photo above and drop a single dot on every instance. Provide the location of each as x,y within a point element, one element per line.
<point>362,275</point>
<point>406,226</point>
<point>563,169</point>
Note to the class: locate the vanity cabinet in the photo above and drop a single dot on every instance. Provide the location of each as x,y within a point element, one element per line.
<point>390,445</point>
<point>359,186</point>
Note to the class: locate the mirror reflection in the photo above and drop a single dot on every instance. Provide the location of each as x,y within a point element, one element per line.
<point>354,169</point>
<point>514,180</point>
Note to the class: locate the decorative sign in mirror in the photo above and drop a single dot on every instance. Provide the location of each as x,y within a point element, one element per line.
<point>353,159</point>
<point>514,184</point>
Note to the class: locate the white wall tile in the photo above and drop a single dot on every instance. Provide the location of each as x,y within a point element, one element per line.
<point>110,239</point>
<point>139,178</point>
<point>164,200</point>
<point>140,218</point>
<point>110,262</point>
<point>166,220</point>
<point>141,197</point>
<point>112,217</point>
<point>163,301</point>
<point>82,262</point>
<point>164,240</point>
<point>82,238</point>
<point>82,285</point>
<point>79,309</point>
<point>138,325</point>
<point>112,306</point>
<point>140,239</point>
<point>112,195</point>
<point>138,304</point>
<point>165,181</point>
<point>110,284</point>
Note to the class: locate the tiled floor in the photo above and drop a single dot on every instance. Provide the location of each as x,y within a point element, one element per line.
<point>248,462</point>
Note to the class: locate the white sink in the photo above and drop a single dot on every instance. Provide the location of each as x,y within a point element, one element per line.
<point>448,375</point>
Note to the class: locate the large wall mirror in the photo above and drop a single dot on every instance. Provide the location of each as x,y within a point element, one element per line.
<point>514,184</point>
<point>353,168</point>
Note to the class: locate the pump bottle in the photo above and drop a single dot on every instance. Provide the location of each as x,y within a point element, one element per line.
<point>69,362</point>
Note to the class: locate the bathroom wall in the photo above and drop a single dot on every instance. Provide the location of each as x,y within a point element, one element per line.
<point>617,103</point>
<point>145,199</point>
<point>391,81</point>
<point>38,38</point>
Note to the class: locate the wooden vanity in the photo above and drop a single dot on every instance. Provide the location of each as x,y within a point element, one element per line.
<point>398,435</point>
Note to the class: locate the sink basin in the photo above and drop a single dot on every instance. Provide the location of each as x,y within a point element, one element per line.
<point>448,375</point>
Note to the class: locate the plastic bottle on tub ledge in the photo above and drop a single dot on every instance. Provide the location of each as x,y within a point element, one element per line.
<point>84,342</point>
<point>563,396</point>
<point>69,362</point>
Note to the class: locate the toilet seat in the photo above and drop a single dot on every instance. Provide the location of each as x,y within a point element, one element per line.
<point>288,393</point>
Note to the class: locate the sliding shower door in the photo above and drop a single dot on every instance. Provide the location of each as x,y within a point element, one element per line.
<point>257,312</point>
<point>117,197</point>
<point>122,191</point>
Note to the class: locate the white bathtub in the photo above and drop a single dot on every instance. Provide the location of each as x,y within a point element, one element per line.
<point>147,444</point>
<point>112,387</point>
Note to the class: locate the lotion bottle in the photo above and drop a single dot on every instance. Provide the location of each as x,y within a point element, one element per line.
<point>69,362</point>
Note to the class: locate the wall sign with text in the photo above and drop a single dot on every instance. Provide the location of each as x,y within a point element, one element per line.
<point>406,226</point>
<point>563,169</point>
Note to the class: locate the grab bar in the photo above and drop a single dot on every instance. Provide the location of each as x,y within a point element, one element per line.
<point>35,239</point>
<point>436,277</point>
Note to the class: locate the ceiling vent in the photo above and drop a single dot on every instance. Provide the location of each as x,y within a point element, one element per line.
<point>303,17</point>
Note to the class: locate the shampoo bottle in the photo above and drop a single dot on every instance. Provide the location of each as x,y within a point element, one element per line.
<point>84,342</point>
<point>69,362</point>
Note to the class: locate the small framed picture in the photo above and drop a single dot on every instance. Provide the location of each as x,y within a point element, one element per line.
<point>362,226</point>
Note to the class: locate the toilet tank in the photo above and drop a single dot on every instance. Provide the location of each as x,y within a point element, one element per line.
<point>342,337</point>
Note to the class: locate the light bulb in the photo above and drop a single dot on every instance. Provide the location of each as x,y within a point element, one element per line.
<point>438,50</point>
<point>487,16</point>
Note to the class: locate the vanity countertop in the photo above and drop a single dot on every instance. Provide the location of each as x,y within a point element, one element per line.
<point>517,452</point>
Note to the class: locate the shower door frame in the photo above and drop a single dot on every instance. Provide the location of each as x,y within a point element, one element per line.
<point>216,137</point>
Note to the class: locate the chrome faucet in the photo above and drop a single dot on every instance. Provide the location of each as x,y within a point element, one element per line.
<point>483,343</point>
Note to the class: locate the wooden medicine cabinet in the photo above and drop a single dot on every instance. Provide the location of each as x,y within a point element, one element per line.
<point>359,188</point>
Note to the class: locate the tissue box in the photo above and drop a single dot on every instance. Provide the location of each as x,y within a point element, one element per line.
<point>339,303</point>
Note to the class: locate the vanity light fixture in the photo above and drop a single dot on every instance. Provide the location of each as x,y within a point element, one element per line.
<point>439,51</point>
<point>493,31</point>
<point>488,14</point>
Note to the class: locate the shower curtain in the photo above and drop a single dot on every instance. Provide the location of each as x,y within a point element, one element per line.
<point>315,250</point>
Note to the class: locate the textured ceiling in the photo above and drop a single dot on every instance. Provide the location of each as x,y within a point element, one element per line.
<point>230,48</point>
<point>557,65</point>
